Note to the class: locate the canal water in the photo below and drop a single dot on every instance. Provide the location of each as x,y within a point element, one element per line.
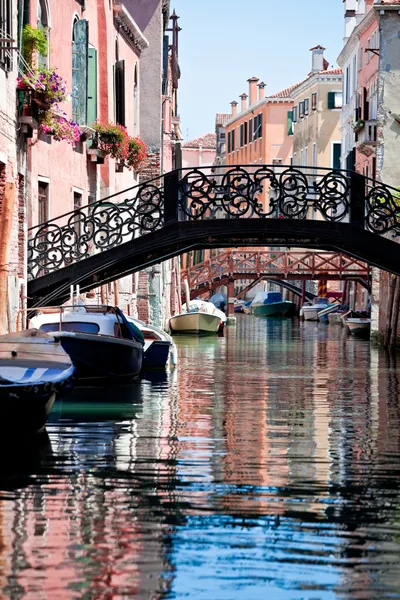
<point>266,466</point>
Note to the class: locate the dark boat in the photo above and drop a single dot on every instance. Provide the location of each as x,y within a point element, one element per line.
<point>99,339</point>
<point>158,346</point>
<point>34,368</point>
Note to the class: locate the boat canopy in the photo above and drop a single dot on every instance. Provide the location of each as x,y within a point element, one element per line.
<point>268,297</point>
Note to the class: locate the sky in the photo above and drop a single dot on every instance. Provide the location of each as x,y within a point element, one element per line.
<point>225,42</point>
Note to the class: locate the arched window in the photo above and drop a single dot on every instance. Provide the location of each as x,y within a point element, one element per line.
<point>136,102</point>
<point>43,22</point>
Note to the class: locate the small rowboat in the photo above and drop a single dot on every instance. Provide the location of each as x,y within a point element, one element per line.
<point>359,327</point>
<point>34,368</point>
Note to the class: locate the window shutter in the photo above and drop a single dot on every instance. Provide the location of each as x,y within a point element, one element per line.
<point>290,122</point>
<point>251,130</point>
<point>80,71</point>
<point>336,155</point>
<point>92,86</point>
<point>260,125</point>
<point>165,64</point>
<point>120,92</point>
<point>331,99</point>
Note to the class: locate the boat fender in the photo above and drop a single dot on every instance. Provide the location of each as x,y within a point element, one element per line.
<point>14,353</point>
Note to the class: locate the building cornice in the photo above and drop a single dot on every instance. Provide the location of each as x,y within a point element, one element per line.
<point>355,36</point>
<point>129,26</point>
<point>315,79</point>
<point>251,109</point>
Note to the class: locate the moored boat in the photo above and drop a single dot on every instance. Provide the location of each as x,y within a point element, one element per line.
<point>359,327</point>
<point>34,368</point>
<point>201,318</point>
<point>99,340</point>
<point>271,304</point>
<point>158,346</point>
<point>310,311</point>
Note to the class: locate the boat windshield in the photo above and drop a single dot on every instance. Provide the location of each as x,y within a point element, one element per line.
<point>71,326</point>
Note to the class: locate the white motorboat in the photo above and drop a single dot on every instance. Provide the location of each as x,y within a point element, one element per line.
<point>202,318</point>
<point>310,311</point>
<point>99,339</point>
<point>359,327</point>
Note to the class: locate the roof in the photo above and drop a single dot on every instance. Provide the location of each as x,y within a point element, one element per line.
<point>222,118</point>
<point>286,93</point>
<point>207,141</point>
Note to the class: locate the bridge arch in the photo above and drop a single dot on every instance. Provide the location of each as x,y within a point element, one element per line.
<point>252,206</point>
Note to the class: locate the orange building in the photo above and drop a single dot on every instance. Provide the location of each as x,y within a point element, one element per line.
<point>261,132</point>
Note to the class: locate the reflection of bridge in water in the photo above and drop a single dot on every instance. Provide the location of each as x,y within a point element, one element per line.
<point>247,206</point>
<point>233,265</point>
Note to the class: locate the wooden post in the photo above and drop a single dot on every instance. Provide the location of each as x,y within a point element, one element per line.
<point>387,333</point>
<point>116,293</point>
<point>303,292</point>
<point>5,238</point>
<point>395,314</point>
<point>231,293</point>
<point>344,293</point>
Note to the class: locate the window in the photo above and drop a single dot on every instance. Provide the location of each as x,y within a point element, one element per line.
<point>71,326</point>
<point>43,201</point>
<point>119,87</point>
<point>241,135</point>
<point>301,110</point>
<point>365,104</point>
<point>354,75</point>
<point>250,131</point>
<point>295,113</point>
<point>290,122</point>
<point>233,141</point>
<point>305,157</point>
<point>314,101</point>
<point>6,31</point>
<point>368,53</point>
<point>43,23</point>
<point>80,48</point>
<point>360,58</point>
<point>314,158</point>
<point>136,103</point>
<point>77,206</point>
<point>347,85</point>
<point>335,100</point>
<point>336,152</point>
<point>92,86</point>
<point>260,125</point>
<point>255,128</point>
<point>229,142</point>
<point>306,106</point>
<point>245,133</point>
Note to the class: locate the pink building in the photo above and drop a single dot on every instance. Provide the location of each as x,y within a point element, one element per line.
<point>200,151</point>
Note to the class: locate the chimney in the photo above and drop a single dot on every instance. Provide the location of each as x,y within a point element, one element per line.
<point>317,59</point>
<point>252,90</point>
<point>243,98</point>
<point>350,18</point>
<point>234,108</point>
<point>261,90</point>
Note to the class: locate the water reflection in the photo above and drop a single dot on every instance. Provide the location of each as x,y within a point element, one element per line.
<point>266,465</point>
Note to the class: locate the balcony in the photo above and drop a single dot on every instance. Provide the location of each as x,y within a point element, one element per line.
<point>367,138</point>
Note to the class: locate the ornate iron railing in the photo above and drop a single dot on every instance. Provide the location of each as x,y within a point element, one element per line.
<point>252,191</point>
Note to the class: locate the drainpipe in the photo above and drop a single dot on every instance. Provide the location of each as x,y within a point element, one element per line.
<point>5,238</point>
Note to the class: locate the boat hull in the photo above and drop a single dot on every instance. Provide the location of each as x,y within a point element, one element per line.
<point>310,313</point>
<point>97,357</point>
<point>274,309</point>
<point>156,355</point>
<point>359,327</point>
<point>26,406</point>
<point>195,323</point>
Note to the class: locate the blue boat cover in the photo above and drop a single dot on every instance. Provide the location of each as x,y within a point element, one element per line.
<point>133,331</point>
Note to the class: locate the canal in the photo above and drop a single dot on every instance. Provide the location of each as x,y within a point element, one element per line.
<point>267,465</point>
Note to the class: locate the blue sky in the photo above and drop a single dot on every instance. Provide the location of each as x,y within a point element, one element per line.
<point>224,42</point>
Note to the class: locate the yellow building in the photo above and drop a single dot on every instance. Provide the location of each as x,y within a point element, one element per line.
<point>316,115</point>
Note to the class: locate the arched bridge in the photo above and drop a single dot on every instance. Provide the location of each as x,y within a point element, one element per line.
<point>239,206</point>
<point>231,265</point>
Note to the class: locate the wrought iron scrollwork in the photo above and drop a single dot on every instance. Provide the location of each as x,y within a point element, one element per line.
<point>383,210</point>
<point>97,227</point>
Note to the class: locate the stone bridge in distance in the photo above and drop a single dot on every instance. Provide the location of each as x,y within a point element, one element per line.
<point>241,206</point>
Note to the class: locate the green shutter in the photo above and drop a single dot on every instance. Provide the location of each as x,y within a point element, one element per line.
<point>290,122</point>
<point>92,86</point>
<point>337,148</point>
<point>331,99</point>
<point>80,71</point>
<point>120,92</point>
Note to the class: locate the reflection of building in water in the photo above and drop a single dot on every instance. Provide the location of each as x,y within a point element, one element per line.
<point>96,520</point>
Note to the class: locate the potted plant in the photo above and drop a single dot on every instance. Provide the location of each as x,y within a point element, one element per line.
<point>136,153</point>
<point>61,128</point>
<point>358,125</point>
<point>46,85</point>
<point>112,139</point>
<point>33,40</point>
